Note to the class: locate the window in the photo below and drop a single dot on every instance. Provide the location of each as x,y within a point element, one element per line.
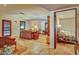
<point>22,24</point>
<point>6,28</point>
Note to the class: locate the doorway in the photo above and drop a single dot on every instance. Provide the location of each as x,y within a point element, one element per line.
<point>65,26</point>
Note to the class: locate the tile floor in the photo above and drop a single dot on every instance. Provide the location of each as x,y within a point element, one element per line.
<point>39,47</point>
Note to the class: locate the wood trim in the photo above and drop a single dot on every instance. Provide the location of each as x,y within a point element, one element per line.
<point>75,30</point>
<point>55,35</point>
<point>55,39</point>
<point>65,10</point>
<point>10,28</point>
<point>3,27</point>
<point>48,20</point>
<point>76,24</point>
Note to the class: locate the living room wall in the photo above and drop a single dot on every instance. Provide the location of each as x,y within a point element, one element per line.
<point>32,23</point>
<point>15,27</point>
<point>42,23</point>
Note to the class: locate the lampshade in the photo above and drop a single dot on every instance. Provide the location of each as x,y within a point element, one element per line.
<point>35,26</point>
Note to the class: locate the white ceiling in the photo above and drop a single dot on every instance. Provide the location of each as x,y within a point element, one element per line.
<point>25,11</point>
<point>51,7</point>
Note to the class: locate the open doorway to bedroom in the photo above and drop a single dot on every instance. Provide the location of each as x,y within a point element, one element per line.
<point>65,29</point>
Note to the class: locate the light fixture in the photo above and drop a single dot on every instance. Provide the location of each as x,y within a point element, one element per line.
<point>35,27</point>
<point>59,25</point>
<point>32,29</point>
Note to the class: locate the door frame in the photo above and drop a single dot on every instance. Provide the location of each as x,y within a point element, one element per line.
<point>55,35</point>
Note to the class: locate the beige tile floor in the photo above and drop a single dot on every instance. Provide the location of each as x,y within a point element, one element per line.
<point>39,47</point>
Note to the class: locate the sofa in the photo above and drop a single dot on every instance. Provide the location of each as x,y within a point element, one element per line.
<point>28,34</point>
<point>7,41</point>
<point>25,34</point>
